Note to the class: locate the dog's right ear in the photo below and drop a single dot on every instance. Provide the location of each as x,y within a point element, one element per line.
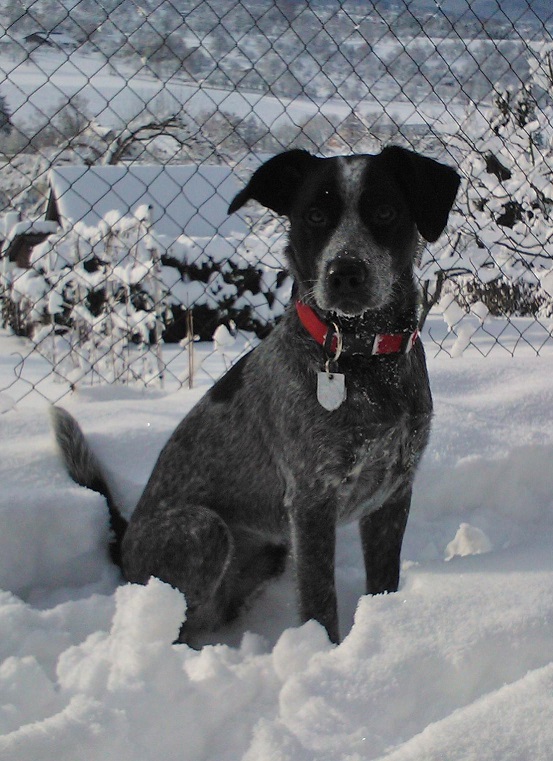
<point>276,182</point>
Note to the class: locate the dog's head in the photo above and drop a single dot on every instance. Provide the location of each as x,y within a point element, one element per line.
<point>355,221</point>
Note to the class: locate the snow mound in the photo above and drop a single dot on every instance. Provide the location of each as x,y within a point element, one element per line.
<point>456,665</point>
<point>468,540</point>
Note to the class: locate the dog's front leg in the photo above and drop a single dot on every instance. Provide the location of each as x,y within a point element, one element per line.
<point>381,538</point>
<point>314,544</point>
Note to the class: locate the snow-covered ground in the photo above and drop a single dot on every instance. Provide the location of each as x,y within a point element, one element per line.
<point>458,664</point>
<point>38,86</point>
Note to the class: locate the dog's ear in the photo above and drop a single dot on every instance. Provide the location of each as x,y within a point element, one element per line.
<point>276,182</point>
<point>429,187</point>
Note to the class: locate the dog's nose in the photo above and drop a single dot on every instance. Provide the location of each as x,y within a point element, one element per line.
<point>346,276</point>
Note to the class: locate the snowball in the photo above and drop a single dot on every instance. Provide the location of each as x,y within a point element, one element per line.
<point>468,540</point>
<point>150,613</point>
<point>144,212</point>
<point>223,338</point>
<point>136,652</point>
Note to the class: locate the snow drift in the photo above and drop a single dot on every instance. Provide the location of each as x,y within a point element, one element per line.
<point>456,665</point>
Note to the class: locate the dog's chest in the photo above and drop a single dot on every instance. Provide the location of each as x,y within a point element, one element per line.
<point>381,461</point>
<point>362,453</point>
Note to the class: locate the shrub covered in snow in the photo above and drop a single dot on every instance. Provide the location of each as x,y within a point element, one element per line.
<point>227,279</point>
<point>500,247</point>
<point>93,298</point>
<point>105,298</point>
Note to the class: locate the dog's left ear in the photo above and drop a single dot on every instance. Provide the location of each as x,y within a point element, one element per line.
<point>429,187</point>
<point>276,182</point>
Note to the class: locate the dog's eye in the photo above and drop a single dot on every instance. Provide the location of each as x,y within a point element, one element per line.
<point>315,217</point>
<point>384,214</point>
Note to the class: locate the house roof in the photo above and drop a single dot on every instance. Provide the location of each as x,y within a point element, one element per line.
<point>187,199</point>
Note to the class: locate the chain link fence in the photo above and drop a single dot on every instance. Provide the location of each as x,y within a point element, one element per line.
<point>127,128</point>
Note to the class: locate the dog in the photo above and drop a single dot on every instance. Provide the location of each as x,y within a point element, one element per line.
<point>322,423</point>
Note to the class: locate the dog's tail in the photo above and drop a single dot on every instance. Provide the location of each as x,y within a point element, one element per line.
<point>84,469</point>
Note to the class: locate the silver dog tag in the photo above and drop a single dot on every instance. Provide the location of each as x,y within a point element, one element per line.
<point>331,390</point>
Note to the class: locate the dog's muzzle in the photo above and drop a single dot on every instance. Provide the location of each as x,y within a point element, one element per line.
<point>347,285</point>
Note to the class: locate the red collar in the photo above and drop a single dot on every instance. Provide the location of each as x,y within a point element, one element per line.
<point>336,343</point>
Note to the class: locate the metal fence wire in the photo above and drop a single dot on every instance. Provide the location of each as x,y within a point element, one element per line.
<point>127,128</point>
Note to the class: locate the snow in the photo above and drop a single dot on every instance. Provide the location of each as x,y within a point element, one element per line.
<point>26,227</point>
<point>456,665</point>
<point>186,198</point>
<point>117,96</point>
<point>468,540</point>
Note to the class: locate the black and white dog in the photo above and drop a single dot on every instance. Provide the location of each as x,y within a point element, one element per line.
<point>324,422</point>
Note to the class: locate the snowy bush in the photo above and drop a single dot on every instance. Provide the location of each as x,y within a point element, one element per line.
<point>94,299</point>
<point>500,247</point>
<point>102,300</point>
<point>227,279</point>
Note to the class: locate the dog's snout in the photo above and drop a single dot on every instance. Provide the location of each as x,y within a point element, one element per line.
<point>346,276</point>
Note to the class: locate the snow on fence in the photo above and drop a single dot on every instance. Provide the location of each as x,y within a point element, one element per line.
<point>123,142</point>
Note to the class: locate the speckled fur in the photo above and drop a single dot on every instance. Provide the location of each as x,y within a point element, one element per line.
<point>259,469</point>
